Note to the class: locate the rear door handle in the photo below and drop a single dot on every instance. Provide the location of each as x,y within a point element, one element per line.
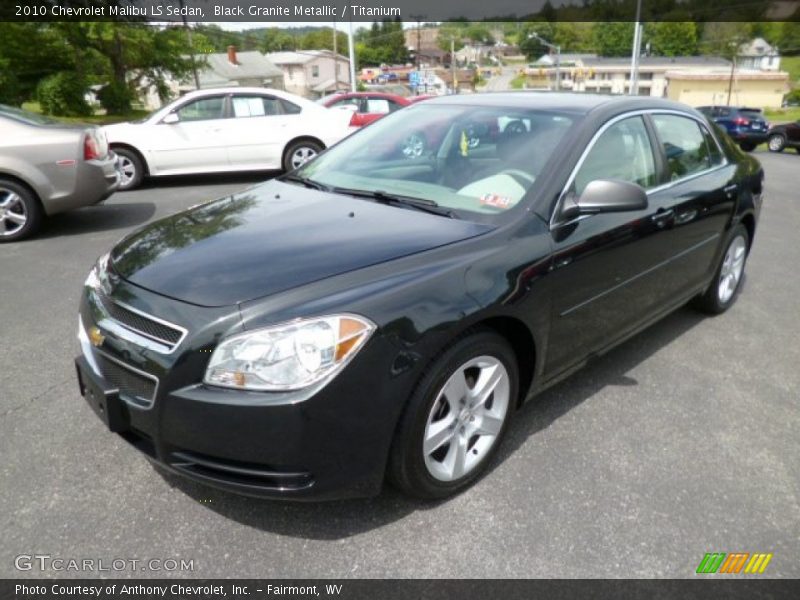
<point>729,189</point>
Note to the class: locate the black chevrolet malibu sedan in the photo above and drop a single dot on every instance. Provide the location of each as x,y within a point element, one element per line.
<point>382,311</point>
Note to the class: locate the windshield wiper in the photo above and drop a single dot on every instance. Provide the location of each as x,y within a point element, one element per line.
<point>309,183</point>
<point>423,204</point>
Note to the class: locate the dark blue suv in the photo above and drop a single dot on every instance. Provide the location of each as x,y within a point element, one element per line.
<point>746,126</point>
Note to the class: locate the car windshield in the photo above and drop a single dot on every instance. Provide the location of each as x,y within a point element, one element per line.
<point>26,116</point>
<point>475,162</point>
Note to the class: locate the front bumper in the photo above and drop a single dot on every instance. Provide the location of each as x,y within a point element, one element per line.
<point>318,444</point>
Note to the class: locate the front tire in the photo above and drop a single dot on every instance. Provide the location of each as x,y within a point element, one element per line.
<point>776,143</point>
<point>131,167</point>
<point>299,153</point>
<point>456,418</point>
<point>727,282</point>
<point>20,211</point>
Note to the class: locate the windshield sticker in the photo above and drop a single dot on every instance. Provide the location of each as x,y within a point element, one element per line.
<point>464,145</point>
<point>496,201</point>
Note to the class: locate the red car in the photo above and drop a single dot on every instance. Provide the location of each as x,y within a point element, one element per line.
<point>370,106</point>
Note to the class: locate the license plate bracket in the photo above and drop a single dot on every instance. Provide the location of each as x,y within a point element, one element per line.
<point>102,398</point>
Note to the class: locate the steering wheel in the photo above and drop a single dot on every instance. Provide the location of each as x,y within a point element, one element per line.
<point>515,127</point>
<point>520,176</point>
<point>413,146</point>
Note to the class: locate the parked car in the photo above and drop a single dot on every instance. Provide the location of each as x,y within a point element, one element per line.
<point>747,126</point>
<point>48,167</point>
<point>224,129</point>
<point>368,107</point>
<point>371,315</point>
<point>785,135</point>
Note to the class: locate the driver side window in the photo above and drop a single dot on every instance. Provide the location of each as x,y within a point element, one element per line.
<point>202,109</point>
<point>623,152</point>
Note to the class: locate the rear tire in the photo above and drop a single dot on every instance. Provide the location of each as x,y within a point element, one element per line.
<point>456,418</point>
<point>776,143</point>
<point>747,146</point>
<point>300,152</point>
<point>20,211</point>
<point>131,167</point>
<point>727,282</point>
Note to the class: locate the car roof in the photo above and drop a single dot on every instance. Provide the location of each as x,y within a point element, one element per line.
<point>580,103</point>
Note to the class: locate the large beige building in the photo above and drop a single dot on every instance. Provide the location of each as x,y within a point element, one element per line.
<point>694,80</point>
<point>758,89</point>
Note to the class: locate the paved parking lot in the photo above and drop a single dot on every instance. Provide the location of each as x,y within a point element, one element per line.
<point>682,441</point>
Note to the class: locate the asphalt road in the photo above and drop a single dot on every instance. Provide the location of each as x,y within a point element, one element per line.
<point>680,442</point>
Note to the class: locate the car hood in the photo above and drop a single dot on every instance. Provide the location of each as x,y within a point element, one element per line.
<point>271,238</point>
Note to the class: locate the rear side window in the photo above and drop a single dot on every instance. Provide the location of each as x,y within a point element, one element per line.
<point>623,152</point>
<point>714,153</point>
<point>378,105</point>
<point>256,106</point>
<point>289,108</point>
<point>684,145</point>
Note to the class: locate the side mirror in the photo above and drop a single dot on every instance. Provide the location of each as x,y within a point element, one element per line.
<point>171,119</point>
<point>605,195</point>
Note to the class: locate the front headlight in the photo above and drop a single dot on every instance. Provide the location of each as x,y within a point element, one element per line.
<point>290,356</point>
<point>97,274</point>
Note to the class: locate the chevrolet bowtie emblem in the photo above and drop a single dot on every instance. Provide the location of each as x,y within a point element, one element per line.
<point>96,337</point>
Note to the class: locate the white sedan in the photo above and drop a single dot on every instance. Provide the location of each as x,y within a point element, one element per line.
<point>225,129</point>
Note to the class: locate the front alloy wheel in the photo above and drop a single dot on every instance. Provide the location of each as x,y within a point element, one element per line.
<point>456,418</point>
<point>466,418</point>
<point>776,143</point>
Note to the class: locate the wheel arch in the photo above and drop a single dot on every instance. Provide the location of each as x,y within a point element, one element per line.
<point>300,138</point>
<point>21,181</point>
<point>522,341</point>
<point>139,153</point>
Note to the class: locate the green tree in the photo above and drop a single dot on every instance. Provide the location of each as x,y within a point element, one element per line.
<point>614,38</point>
<point>724,38</point>
<point>277,40</point>
<point>672,38</point>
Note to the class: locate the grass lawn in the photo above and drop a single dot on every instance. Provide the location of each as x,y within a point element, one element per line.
<point>518,82</point>
<point>94,119</point>
<point>791,64</point>
<point>782,115</point>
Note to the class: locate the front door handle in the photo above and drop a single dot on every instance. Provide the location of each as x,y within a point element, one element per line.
<point>662,215</point>
<point>730,189</point>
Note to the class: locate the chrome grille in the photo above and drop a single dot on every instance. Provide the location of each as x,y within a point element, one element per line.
<point>168,335</point>
<point>133,386</point>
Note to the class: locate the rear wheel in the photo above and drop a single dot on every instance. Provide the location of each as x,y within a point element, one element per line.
<point>456,418</point>
<point>747,146</point>
<point>725,286</point>
<point>300,152</point>
<point>776,143</point>
<point>131,168</point>
<point>20,211</point>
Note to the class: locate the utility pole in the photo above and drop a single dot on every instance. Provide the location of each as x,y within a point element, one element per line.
<point>191,48</point>
<point>544,42</point>
<point>730,81</point>
<point>335,60</point>
<point>351,51</point>
<point>637,42</point>
<point>418,19</point>
<point>453,69</point>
